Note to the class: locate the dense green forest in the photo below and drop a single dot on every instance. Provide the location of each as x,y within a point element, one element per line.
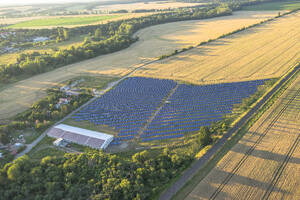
<point>95,175</point>
<point>92,175</point>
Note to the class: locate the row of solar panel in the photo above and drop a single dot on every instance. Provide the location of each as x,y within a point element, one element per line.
<point>130,104</point>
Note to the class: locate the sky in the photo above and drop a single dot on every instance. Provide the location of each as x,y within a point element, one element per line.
<point>26,2</point>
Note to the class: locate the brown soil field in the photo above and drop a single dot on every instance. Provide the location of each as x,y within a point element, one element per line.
<point>265,51</point>
<point>265,163</point>
<point>146,6</point>
<point>154,41</point>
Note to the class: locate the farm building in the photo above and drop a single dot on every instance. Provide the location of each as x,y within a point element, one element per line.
<point>93,139</point>
<point>40,39</point>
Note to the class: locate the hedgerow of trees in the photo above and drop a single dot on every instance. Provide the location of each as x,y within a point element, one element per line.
<point>107,38</point>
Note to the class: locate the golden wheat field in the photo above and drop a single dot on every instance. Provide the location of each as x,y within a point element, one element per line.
<point>153,43</point>
<point>25,19</point>
<point>265,51</point>
<point>145,6</point>
<point>265,163</point>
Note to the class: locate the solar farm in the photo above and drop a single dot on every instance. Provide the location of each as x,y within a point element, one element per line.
<point>147,109</point>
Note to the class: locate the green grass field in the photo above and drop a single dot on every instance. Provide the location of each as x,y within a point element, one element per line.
<point>63,21</point>
<point>283,5</point>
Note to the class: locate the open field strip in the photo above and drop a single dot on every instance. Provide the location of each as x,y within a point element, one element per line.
<point>146,6</point>
<point>266,161</point>
<point>265,51</point>
<point>66,21</point>
<point>153,42</point>
<point>280,5</point>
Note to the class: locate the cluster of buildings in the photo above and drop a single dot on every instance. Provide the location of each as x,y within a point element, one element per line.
<point>63,101</point>
<point>70,90</point>
<point>5,35</point>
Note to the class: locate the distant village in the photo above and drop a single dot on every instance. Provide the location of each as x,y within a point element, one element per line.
<point>10,46</point>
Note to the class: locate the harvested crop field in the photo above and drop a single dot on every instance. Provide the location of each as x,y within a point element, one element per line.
<point>66,21</point>
<point>280,5</point>
<point>266,51</point>
<point>145,6</point>
<point>154,41</point>
<point>265,164</point>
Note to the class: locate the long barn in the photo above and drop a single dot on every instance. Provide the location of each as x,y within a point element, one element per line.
<point>93,139</point>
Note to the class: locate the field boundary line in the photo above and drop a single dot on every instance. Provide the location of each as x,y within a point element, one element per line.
<point>252,148</point>
<point>281,168</point>
<point>187,175</point>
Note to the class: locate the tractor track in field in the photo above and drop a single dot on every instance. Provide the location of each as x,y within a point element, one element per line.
<point>245,55</point>
<point>249,152</point>
<point>197,165</point>
<point>281,168</point>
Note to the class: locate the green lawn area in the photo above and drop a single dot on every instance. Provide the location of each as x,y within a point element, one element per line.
<point>283,5</point>
<point>96,82</point>
<point>45,148</point>
<point>63,21</point>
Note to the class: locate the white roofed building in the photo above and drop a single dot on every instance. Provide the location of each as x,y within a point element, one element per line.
<point>93,139</point>
<point>40,39</point>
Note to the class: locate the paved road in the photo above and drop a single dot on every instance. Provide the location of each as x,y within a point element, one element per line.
<point>198,164</point>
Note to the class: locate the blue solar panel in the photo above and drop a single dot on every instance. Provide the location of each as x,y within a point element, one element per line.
<point>128,107</point>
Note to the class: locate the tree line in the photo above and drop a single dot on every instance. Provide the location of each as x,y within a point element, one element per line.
<point>94,175</point>
<point>108,38</point>
<point>42,114</point>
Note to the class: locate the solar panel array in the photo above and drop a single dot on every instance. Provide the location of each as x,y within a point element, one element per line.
<point>129,106</point>
<point>191,107</point>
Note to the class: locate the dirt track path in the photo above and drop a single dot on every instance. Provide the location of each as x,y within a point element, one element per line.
<point>154,41</point>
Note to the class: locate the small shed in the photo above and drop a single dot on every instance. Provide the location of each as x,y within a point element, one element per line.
<point>60,142</point>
